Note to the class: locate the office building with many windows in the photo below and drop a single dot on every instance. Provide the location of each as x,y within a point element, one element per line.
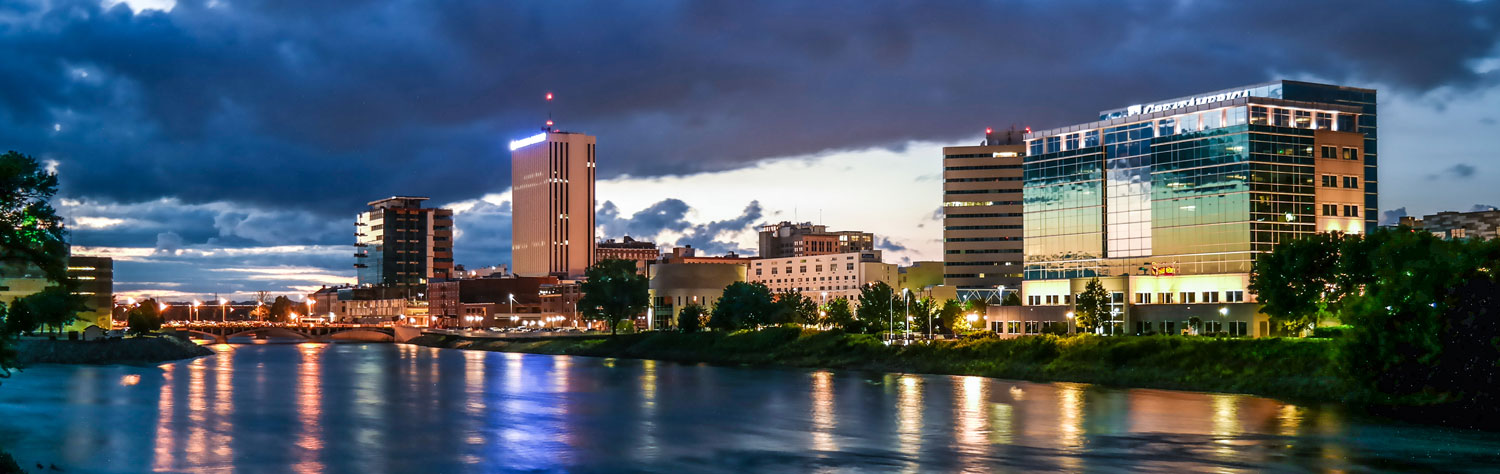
<point>400,243</point>
<point>1170,202</point>
<point>824,277</point>
<point>982,252</point>
<point>552,213</point>
<point>786,239</point>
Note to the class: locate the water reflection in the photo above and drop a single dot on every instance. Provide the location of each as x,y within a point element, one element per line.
<point>374,408</point>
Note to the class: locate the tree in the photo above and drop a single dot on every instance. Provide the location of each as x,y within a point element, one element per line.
<point>1011,299</point>
<point>743,306</point>
<point>31,233</point>
<point>55,306</point>
<point>924,312</point>
<point>690,318</point>
<point>281,309</point>
<point>613,291</point>
<point>794,308</point>
<point>1297,282</point>
<point>144,317</point>
<point>1091,306</point>
<point>836,313</point>
<point>20,319</point>
<point>876,304</point>
<point>949,315</point>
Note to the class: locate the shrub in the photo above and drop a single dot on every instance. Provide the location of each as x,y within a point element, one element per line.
<point>1330,332</point>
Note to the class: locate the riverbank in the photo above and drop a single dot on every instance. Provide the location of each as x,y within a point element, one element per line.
<point>134,350</point>
<point>1299,369</point>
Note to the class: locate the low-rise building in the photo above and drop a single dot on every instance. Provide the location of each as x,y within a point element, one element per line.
<point>786,239</point>
<point>641,252</point>
<point>676,285</point>
<point>823,277</point>
<point>489,302</point>
<point>1459,225</point>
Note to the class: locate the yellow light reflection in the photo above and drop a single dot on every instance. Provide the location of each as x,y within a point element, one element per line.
<point>649,449</point>
<point>129,380</point>
<point>909,413</point>
<point>1289,420</point>
<point>223,402</point>
<point>970,422</point>
<point>1002,423</point>
<point>309,408</point>
<point>197,444</point>
<point>1070,407</point>
<point>822,411</point>
<point>162,456</point>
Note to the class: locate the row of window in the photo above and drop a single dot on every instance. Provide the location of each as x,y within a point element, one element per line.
<point>981,168</point>
<point>966,252</point>
<point>1028,327</point>
<point>981,180</point>
<point>1332,152</point>
<point>981,227</point>
<point>1185,297</point>
<point>1332,181</point>
<point>809,279</point>
<point>1234,328</point>
<point>1332,210</point>
<point>984,191</point>
<point>983,216</point>
<point>803,269</point>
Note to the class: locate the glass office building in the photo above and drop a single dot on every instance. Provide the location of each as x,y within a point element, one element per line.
<point>1170,201</point>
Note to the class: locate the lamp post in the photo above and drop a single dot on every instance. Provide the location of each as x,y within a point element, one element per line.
<point>906,301</point>
<point>223,310</point>
<point>511,298</point>
<point>196,303</point>
<point>310,305</point>
<point>1070,322</point>
<point>1223,314</point>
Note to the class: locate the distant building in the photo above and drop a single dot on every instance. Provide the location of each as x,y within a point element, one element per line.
<point>982,248</point>
<point>786,239</point>
<point>823,277</point>
<point>375,305</point>
<point>688,254</point>
<point>1459,225</point>
<point>627,248</point>
<point>490,302</point>
<point>399,243</point>
<point>93,275</point>
<point>552,211</point>
<point>920,276</point>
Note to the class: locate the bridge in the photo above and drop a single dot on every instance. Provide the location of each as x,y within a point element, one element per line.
<point>221,333</point>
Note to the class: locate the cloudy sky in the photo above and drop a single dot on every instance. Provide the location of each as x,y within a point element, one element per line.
<point>225,145</point>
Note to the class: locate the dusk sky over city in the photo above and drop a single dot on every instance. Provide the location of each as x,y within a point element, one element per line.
<point>226,146</point>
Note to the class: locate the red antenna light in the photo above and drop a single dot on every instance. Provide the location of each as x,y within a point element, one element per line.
<point>549,123</point>
<point>549,96</point>
<point>988,130</point>
<point>1028,129</point>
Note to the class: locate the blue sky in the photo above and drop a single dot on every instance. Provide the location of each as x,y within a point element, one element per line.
<point>225,146</point>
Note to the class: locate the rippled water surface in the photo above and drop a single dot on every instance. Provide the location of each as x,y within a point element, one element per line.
<point>396,408</point>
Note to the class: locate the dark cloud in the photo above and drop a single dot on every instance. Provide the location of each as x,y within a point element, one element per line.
<point>322,105</point>
<point>711,237</point>
<point>667,214</point>
<point>889,245</point>
<point>1392,216</point>
<point>1458,171</point>
<point>168,243</point>
<point>1482,208</point>
<point>483,237</point>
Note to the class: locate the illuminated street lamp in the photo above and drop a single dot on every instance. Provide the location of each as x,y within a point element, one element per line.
<point>196,304</point>
<point>1070,322</point>
<point>223,310</point>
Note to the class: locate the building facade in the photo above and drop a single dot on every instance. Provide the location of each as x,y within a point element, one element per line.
<point>641,252</point>
<point>824,277</point>
<point>676,285</point>
<point>1169,203</point>
<point>497,302</point>
<point>94,280</point>
<point>552,213</point>
<point>786,239</point>
<point>982,250</point>
<point>400,243</point>
<point>1459,225</point>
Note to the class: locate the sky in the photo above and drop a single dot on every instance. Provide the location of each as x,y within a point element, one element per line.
<point>225,146</point>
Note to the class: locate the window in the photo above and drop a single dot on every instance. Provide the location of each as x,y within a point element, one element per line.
<point>1351,153</point>
<point>1143,298</point>
<point>1330,209</point>
<point>1330,181</point>
<point>1189,297</point>
<point>1169,327</point>
<point>773,271</point>
<point>1117,298</point>
<point>996,326</point>
<point>1142,327</point>
<point>1328,151</point>
<point>850,267</point>
<point>1258,115</point>
<point>788,270</point>
<point>1052,299</point>
<point>1033,300</point>
<point>1303,119</point>
<point>1283,118</point>
<point>1351,211</point>
<point>802,269</point>
<point>1325,122</point>
<point>1164,298</point>
<point>1234,296</point>
<point>1210,297</point>
<point>1013,327</point>
<point>1351,182</point>
<point>1033,327</point>
<point>1239,328</point>
<point>819,268</point>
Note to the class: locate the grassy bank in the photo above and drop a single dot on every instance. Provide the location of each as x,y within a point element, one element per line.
<point>135,350</point>
<point>1301,369</point>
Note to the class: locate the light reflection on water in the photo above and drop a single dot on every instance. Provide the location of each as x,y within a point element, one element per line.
<point>392,408</point>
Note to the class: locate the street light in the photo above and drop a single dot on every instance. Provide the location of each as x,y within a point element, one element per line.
<point>1070,323</point>
<point>906,301</point>
<point>196,303</point>
<point>223,310</point>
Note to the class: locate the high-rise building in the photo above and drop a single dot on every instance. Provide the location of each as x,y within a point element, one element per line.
<point>982,251</point>
<point>552,212</point>
<point>1169,203</point>
<point>400,243</point>
<point>786,239</point>
<point>641,252</point>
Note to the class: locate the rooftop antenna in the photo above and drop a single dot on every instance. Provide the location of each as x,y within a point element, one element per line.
<point>549,111</point>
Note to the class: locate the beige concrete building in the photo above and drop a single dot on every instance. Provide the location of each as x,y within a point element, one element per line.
<point>675,285</point>
<point>552,212</point>
<point>982,216</point>
<point>824,277</point>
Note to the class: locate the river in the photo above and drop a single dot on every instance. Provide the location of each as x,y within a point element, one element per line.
<point>374,408</point>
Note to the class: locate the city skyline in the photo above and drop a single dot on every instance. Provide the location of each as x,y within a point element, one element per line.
<point>181,219</point>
